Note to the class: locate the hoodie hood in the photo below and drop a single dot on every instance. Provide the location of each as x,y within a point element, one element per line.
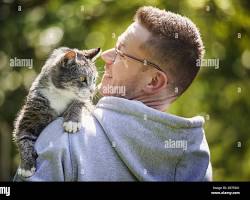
<point>154,145</point>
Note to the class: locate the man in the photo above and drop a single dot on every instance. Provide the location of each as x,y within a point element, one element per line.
<point>128,137</point>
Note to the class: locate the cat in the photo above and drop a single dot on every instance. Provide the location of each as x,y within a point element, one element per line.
<point>65,84</point>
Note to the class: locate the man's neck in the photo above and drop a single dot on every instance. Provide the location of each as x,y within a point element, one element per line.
<point>158,102</point>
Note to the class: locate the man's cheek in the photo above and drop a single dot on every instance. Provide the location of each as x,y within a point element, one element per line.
<point>117,79</point>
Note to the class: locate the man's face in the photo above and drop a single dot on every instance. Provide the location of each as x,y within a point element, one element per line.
<point>123,76</point>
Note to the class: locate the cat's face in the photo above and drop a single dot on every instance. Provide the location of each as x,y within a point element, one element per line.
<point>76,72</point>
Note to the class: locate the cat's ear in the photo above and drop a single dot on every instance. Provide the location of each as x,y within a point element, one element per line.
<point>69,57</point>
<point>92,54</point>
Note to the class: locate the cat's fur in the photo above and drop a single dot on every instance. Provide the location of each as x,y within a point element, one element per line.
<point>65,84</point>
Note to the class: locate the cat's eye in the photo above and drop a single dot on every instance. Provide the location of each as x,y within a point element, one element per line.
<point>83,79</point>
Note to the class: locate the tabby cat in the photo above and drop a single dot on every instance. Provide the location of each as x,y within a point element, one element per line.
<point>64,86</point>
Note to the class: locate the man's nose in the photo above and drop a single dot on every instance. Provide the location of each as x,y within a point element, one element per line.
<point>108,56</point>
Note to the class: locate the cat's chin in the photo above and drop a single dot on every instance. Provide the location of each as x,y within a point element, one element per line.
<point>83,97</point>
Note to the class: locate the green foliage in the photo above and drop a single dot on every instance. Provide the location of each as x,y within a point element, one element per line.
<point>220,95</point>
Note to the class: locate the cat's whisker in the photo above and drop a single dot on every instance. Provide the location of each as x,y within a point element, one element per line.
<point>97,96</point>
<point>101,72</point>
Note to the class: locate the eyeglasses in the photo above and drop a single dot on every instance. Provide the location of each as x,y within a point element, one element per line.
<point>143,61</point>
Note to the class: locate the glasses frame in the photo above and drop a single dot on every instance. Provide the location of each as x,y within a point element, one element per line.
<point>142,61</point>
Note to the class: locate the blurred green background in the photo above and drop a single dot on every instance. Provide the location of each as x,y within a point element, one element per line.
<point>221,95</point>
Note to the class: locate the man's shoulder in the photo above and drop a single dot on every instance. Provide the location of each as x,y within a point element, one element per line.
<point>55,135</point>
<point>52,135</point>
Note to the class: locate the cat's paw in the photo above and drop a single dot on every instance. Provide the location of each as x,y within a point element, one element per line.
<point>26,173</point>
<point>71,127</point>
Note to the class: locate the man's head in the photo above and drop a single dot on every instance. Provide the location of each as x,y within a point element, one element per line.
<point>155,59</point>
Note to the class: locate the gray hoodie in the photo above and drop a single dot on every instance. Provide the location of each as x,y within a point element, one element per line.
<point>124,140</point>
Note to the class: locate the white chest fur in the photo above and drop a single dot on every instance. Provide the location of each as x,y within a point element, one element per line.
<point>59,99</point>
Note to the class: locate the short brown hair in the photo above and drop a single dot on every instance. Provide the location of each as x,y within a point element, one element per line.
<point>175,44</point>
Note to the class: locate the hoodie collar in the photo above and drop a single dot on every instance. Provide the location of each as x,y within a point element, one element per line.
<point>140,110</point>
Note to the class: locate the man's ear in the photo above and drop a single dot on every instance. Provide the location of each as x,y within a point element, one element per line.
<point>69,57</point>
<point>158,81</point>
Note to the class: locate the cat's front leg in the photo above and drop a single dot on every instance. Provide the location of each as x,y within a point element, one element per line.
<point>28,157</point>
<point>72,117</point>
